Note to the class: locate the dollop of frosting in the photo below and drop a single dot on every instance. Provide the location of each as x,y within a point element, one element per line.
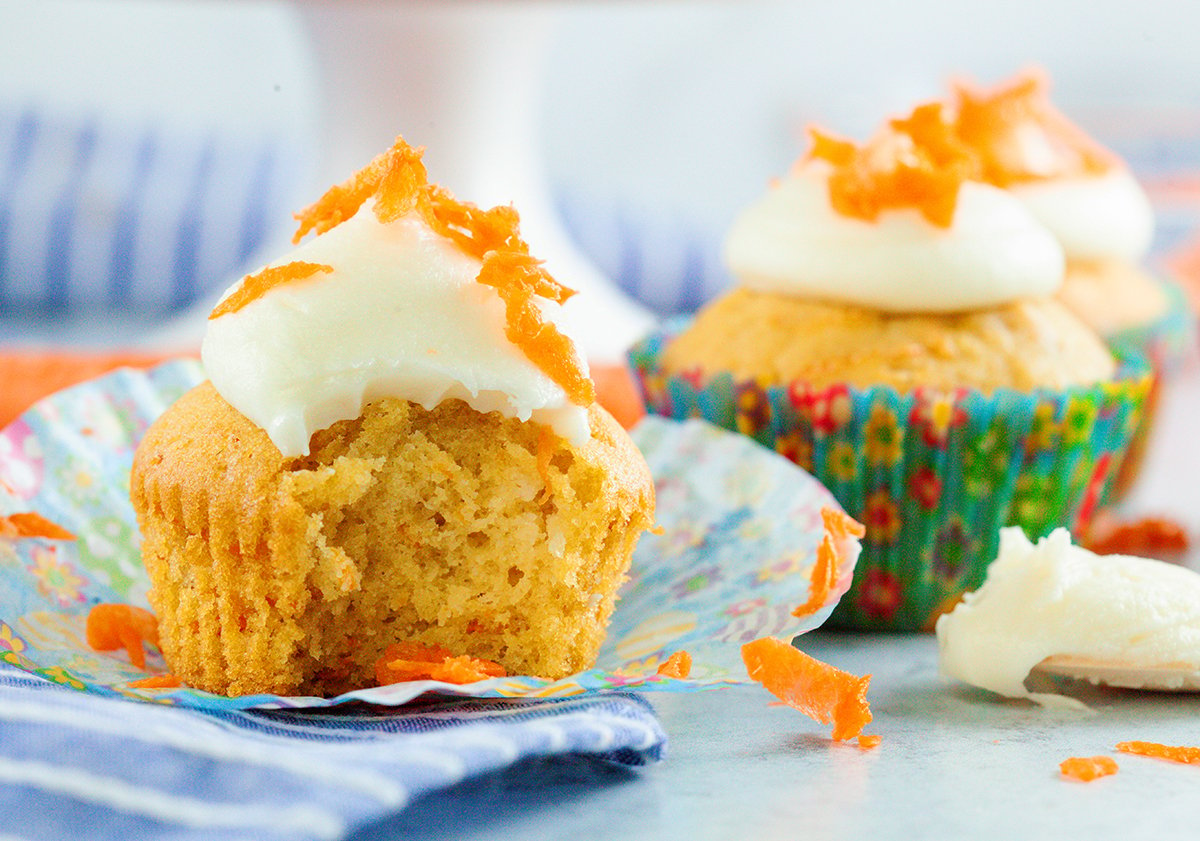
<point>418,297</point>
<point>793,241</point>
<point>1078,189</point>
<point>1058,599</point>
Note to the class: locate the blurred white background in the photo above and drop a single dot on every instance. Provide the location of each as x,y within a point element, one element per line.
<point>153,150</point>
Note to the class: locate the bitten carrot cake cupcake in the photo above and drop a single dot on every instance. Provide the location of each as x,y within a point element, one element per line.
<point>894,331</point>
<point>1088,198</point>
<point>396,446</point>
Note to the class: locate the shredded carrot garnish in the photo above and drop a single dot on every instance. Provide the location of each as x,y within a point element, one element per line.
<point>113,626</point>
<point>163,681</point>
<point>996,124</point>
<point>824,577</point>
<point>820,691</point>
<point>1145,537</point>
<point>1087,768</point>
<point>916,161</point>
<point>399,183</point>
<point>254,286</point>
<point>405,661</point>
<point>678,665</point>
<point>1171,753</point>
<point>871,741</point>
<point>32,524</point>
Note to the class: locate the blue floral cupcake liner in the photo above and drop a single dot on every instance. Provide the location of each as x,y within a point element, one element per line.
<point>933,475</point>
<point>1168,343</point>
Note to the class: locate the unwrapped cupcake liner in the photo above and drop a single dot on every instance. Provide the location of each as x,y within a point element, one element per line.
<point>732,554</point>
<point>1169,344</point>
<point>933,475</point>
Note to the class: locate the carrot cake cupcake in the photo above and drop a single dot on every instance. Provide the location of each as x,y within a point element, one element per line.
<point>894,330</point>
<point>397,446</point>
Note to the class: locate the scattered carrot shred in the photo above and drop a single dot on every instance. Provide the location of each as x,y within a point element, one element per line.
<point>1171,753</point>
<point>916,161</point>
<point>32,524</point>
<point>822,692</point>
<point>994,122</point>
<point>398,181</point>
<point>254,286</point>
<point>866,742</point>
<point>678,665</point>
<point>114,626</point>
<point>824,576</point>
<point>405,661</point>
<point>163,681</point>
<point>1087,768</point>
<point>1146,537</point>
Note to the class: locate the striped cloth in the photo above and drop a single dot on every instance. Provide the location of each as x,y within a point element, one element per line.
<point>99,215</point>
<point>73,765</point>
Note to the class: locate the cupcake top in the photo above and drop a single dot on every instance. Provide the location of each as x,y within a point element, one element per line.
<point>405,292</point>
<point>1057,599</point>
<point>902,224</point>
<point>1083,193</point>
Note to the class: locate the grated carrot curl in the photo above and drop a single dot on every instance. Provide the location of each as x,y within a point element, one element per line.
<point>1087,768</point>
<point>32,524</point>
<point>404,661</point>
<point>254,286</point>
<point>824,576</point>
<point>997,125</point>
<point>163,681</point>
<point>114,626</point>
<point>678,665</point>
<point>1171,753</point>
<point>914,162</point>
<point>820,691</point>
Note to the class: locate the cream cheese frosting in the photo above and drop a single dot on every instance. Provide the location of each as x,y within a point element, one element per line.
<point>400,315</point>
<point>1055,599</point>
<point>1096,217</point>
<point>792,241</point>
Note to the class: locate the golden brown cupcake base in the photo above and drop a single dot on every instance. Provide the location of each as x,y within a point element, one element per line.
<point>291,576</point>
<point>1033,343</point>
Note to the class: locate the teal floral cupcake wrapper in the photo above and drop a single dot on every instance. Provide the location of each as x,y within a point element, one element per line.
<point>933,475</point>
<point>1169,344</point>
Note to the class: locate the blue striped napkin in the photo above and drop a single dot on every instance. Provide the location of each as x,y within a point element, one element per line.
<point>73,765</point>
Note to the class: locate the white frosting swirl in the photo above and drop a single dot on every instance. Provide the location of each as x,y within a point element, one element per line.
<point>792,241</point>
<point>1055,599</point>
<point>401,315</point>
<point>1094,217</point>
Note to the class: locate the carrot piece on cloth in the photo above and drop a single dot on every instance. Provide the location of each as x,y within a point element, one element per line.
<point>1171,753</point>
<point>678,665</point>
<point>1087,768</point>
<point>404,661</point>
<point>822,692</point>
<point>114,626</point>
<point>163,681</point>
<point>32,524</point>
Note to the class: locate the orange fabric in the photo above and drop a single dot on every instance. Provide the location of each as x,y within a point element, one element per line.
<point>820,691</point>
<point>27,376</point>
<point>617,392</point>
<point>164,681</point>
